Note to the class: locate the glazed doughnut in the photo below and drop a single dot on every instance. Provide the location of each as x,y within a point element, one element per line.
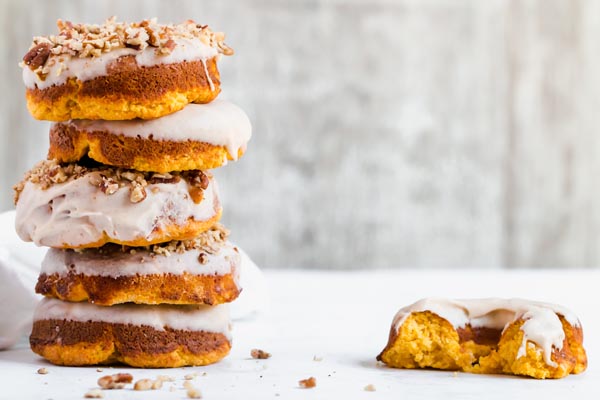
<point>487,336</point>
<point>74,206</point>
<point>118,71</point>
<point>201,136</point>
<point>199,271</point>
<point>77,334</point>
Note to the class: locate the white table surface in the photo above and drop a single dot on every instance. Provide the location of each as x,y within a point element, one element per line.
<point>344,318</point>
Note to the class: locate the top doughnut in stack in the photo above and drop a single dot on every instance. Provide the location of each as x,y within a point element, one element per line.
<point>125,200</point>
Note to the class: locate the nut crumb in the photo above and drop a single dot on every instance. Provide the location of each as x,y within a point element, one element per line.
<point>203,258</point>
<point>260,354</point>
<point>42,371</point>
<point>94,394</point>
<point>137,194</point>
<point>165,378</point>
<point>148,384</point>
<point>455,374</point>
<point>157,385</point>
<point>193,392</point>
<point>308,383</point>
<point>370,388</point>
<point>317,358</point>
<point>116,381</point>
<point>189,377</point>
<point>99,370</point>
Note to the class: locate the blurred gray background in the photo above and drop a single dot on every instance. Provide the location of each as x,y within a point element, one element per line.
<point>436,133</point>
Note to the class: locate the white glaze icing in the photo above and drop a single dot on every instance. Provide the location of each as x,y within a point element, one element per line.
<point>189,318</point>
<point>77,213</point>
<point>142,262</point>
<point>88,68</point>
<point>219,123</point>
<point>542,326</point>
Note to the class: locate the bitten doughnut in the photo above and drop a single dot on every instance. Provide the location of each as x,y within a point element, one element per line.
<point>204,270</point>
<point>162,336</point>
<point>118,71</point>
<point>201,136</point>
<point>487,336</point>
<point>74,206</point>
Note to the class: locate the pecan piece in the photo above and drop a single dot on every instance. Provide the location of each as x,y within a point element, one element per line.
<point>137,194</point>
<point>308,383</point>
<point>260,354</point>
<point>167,48</point>
<point>37,56</point>
<point>109,185</point>
<point>117,381</point>
<point>197,178</point>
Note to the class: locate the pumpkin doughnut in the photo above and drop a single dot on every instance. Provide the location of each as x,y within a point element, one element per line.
<point>78,206</point>
<point>118,71</point>
<point>487,336</point>
<point>163,336</point>
<point>200,271</point>
<point>201,136</point>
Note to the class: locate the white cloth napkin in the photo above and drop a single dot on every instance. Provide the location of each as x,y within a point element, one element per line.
<point>20,265</point>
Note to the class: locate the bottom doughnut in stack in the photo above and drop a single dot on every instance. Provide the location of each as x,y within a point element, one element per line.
<point>160,336</point>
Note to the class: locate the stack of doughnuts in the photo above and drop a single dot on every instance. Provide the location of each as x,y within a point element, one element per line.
<point>139,270</point>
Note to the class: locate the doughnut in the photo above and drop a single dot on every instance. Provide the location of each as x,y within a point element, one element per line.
<point>159,336</point>
<point>118,71</point>
<point>204,270</point>
<point>487,336</point>
<point>201,136</point>
<point>74,206</point>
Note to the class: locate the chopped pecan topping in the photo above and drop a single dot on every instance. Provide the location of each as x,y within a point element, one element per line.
<point>90,40</point>
<point>197,178</point>
<point>167,48</point>
<point>37,56</point>
<point>164,178</point>
<point>203,258</point>
<point>208,242</point>
<point>108,185</point>
<point>110,179</point>
<point>138,193</point>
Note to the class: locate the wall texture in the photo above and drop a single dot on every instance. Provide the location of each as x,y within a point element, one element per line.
<point>436,133</point>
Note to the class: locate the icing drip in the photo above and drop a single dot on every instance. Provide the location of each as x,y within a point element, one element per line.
<point>208,78</point>
<point>141,262</point>
<point>77,213</point>
<point>64,66</point>
<point>189,318</point>
<point>538,323</point>
<point>541,325</point>
<point>219,123</point>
